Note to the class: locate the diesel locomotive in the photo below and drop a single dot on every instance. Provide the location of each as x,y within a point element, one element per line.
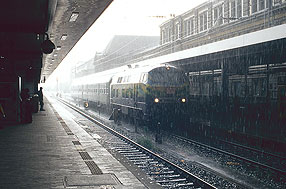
<point>148,93</point>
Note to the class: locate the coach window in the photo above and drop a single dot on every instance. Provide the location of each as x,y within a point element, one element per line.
<point>143,78</point>
<point>127,93</point>
<point>131,93</point>
<point>140,94</point>
<point>116,94</point>
<point>123,93</point>
<point>119,80</point>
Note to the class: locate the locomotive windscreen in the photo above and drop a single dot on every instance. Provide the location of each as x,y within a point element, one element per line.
<point>167,77</point>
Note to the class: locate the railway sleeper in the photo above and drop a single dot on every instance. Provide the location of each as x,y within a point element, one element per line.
<point>172,180</point>
<point>129,152</point>
<point>116,143</point>
<point>158,168</point>
<point>139,161</point>
<point>185,184</point>
<point>180,185</point>
<point>125,148</point>
<point>161,173</point>
<point>156,162</point>
<point>135,155</point>
<point>139,158</point>
<point>167,176</point>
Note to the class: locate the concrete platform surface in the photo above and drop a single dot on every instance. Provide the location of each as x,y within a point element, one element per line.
<point>54,152</point>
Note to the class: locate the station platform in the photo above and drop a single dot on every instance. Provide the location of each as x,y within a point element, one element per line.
<point>54,152</point>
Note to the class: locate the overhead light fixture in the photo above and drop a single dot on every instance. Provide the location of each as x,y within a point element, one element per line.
<point>53,60</point>
<point>64,37</point>
<point>47,45</point>
<point>55,55</point>
<point>59,47</point>
<point>74,16</point>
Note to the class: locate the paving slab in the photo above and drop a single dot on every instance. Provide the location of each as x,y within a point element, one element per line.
<point>39,154</point>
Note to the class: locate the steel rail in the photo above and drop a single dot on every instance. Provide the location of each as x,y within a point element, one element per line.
<point>279,171</point>
<point>198,181</point>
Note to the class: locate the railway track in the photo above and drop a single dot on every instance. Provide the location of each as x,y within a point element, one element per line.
<point>246,157</point>
<point>162,171</point>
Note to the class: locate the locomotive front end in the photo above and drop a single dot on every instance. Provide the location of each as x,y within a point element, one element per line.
<point>167,95</point>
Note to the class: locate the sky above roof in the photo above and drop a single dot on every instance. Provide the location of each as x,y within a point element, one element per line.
<point>131,17</point>
<point>126,17</point>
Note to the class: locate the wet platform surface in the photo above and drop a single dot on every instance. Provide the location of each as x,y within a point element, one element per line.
<point>54,152</point>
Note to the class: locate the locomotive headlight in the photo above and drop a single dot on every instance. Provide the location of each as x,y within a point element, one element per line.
<point>156,100</point>
<point>86,104</point>
<point>183,100</point>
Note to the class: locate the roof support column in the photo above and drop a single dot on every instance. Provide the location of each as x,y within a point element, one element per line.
<point>224,78</point>
<point>224,87</point>
<point>246,68</point>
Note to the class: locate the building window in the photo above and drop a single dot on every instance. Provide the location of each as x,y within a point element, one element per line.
<point>203,21</point>
<point>258,5</point>
<point>253,6</point>
<point>275,2</point>
<point>177,30</point>
<point>261,5</point>
<point>163,36</point>
<point>232,9</point>
<point>239,8</point>
<point>170,34</point>
<point>235,9</point>
<point>217,15</point>
<point>189,27</point>
<point>192,26</point>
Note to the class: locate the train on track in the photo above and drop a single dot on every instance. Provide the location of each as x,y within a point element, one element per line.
<point>148,93</point>
<point>254,109</point>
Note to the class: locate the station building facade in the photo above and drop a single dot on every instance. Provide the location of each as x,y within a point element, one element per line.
<point>220,19</point>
